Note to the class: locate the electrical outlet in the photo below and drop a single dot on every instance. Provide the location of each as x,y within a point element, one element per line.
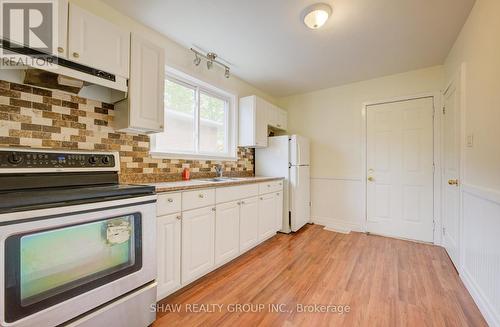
<point>470,140</point>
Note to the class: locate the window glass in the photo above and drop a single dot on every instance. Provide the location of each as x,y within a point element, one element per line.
<point>213,124</point>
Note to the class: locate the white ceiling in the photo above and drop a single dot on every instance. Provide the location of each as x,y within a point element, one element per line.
<point>269,46</point>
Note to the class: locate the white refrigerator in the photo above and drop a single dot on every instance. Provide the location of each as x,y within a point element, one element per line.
<point>288,156</point>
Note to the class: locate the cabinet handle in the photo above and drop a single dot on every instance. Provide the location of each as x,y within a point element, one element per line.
<point>170,200</point>
<point>262,198</point>
<point>268,185</point>
<point>238,203</point>
<point>179,217</point>
<point>213,209</point>
<point>201,195</point>
<point>242,202</point>
<point>278,194</point>
<point>76,55</point>
<point>60,49</point>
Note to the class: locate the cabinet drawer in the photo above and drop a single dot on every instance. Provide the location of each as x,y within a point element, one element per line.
<point>232,193</point>
<point>168,204</point>
<point>268,187</point>
<point>198,199</point>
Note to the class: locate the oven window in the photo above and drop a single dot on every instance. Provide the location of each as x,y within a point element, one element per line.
<point>50,266</point>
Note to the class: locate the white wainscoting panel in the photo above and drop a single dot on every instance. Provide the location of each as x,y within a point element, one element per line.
<point>338,204</point>
<point>480,247</point>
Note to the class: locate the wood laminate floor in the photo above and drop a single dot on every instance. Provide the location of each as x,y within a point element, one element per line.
<point>384,281</point>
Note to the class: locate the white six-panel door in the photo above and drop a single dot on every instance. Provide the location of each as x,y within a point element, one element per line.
<point>400,169</point>
<point>451,171</point>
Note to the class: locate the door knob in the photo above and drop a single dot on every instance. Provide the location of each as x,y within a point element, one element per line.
<point>453,182</point>
<point>371,179</point>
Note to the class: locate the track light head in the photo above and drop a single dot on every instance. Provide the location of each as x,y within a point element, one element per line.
<point>227,73</point>
<point>197,60</point>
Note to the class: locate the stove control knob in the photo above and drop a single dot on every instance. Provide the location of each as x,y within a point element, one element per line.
<point>106,160</point>
<point>92,160</point>
<point>15,159</point>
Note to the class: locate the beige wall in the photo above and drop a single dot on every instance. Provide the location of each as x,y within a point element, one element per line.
<point>332,119</point>
<point>177,56</point>
<point>478,45</point>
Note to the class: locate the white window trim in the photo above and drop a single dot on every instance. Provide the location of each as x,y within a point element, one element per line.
<point>232,133</point>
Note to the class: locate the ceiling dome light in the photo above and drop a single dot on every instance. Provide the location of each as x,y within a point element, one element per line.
<point>316,15</point>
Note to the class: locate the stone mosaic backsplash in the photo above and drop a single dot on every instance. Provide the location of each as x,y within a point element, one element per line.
<point>40,118</point>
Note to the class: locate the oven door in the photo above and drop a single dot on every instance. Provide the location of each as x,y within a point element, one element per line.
<point>60,263</point>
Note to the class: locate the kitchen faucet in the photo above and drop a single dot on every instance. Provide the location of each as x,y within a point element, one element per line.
<point>219,170</point>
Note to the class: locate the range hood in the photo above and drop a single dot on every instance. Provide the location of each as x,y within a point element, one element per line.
<point>26,67</point>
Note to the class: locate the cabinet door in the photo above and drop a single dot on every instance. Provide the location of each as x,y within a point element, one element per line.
<point>249,224</point>
<point>267,216</point>
<point>261,122</point>
<point>97,43</point>
<point>62,29</point>
<point>227,230</point>
<point>272,115</point>
<point>169,254</point>
<point>146,85</point>
<point>197,243</point>
<point>279,210</point>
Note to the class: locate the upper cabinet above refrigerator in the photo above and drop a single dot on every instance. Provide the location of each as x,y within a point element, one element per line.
<point>255,116</point>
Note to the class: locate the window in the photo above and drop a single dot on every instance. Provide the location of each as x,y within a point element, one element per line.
<point>200,121</point>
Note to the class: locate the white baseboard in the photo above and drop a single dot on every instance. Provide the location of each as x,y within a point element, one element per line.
<point>337,230</point>
<point>338,225</point>
<point>488,311</point>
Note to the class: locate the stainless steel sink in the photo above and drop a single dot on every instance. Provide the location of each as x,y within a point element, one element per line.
<point>222,179</point>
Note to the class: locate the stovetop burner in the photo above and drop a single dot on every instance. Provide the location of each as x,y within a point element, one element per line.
<point>34,179</point>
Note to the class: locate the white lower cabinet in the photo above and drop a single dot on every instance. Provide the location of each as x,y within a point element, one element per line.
<point>169,254</point>
<point>267,216</point>
<point>227,230</point>
<point>279,210</point>
<point>213,227</point>
<point>249,224</point>
<point>198,229</point>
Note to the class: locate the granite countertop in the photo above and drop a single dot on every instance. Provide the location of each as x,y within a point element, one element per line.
<point>205,183</point>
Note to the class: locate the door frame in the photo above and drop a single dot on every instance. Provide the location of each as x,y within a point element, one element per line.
<point>459,79</point>
<point>437,131</point>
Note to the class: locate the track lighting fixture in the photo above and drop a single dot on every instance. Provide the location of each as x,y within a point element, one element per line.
<point>197,59</point>
<point>211,59</point>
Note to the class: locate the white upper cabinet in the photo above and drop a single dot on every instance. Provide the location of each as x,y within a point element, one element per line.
<point>255,116</point>
<point>253,122</point>
<point>62,29</point>
<point>95,42</point>
<point>144,108</point>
